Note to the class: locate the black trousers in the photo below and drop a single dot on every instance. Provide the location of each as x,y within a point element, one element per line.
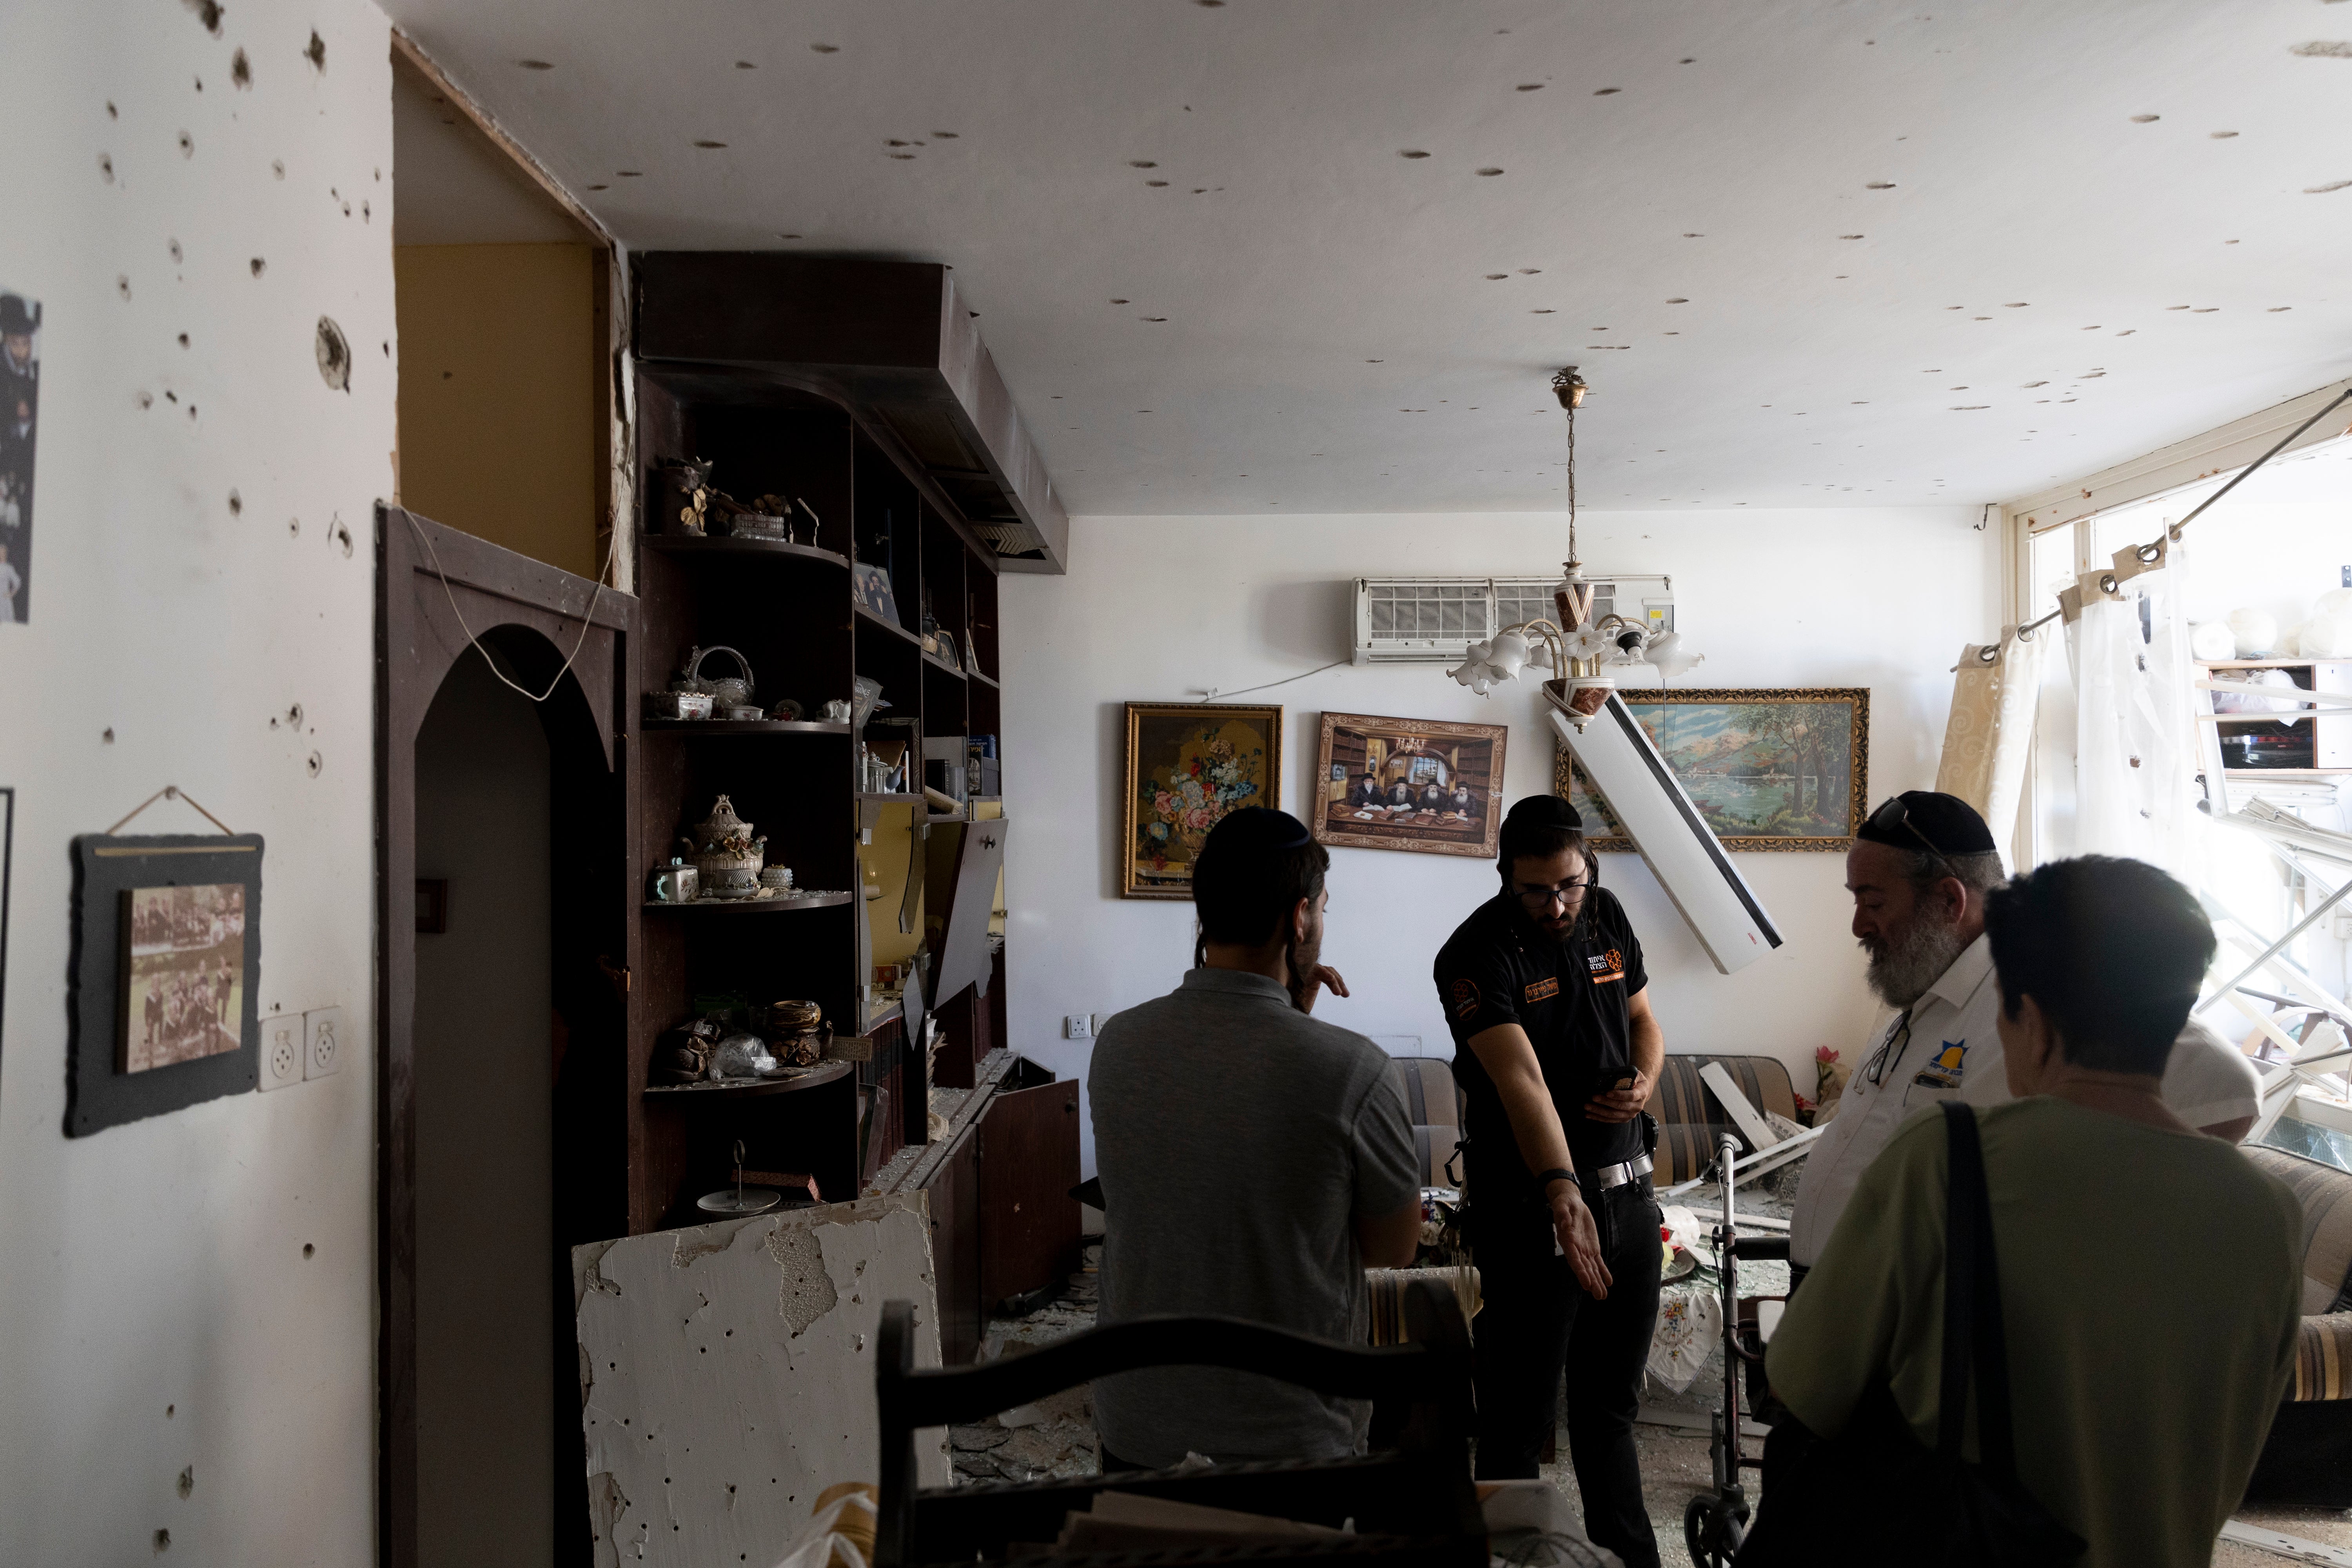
<point>1538,1320</point>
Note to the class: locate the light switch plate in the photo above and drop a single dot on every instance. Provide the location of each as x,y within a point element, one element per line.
<point>281,1050</point>
<point>323,1041</point>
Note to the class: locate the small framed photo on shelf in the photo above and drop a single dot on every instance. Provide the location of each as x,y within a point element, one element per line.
<point>871,585</point>
<point>1429,786</point>
<point>1189,763</point>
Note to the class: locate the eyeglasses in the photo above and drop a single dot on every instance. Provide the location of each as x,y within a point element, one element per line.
<point>1893,813</point>
<point>1545,898</point>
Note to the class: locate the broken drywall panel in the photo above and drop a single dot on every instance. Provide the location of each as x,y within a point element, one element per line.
<point>726,1374</point>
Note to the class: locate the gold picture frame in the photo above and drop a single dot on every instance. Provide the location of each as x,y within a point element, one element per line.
<point>1771,768</point>
<point>1412,756</point>
<point>1189,763</point>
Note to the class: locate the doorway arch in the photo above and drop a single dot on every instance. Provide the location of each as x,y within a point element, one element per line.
<point>444,598</point>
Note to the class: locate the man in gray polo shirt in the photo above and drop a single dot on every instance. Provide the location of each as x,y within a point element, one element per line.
<point>1253,1162</point>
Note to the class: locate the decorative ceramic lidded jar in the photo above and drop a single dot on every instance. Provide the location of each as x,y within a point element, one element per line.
<point>726,854</point>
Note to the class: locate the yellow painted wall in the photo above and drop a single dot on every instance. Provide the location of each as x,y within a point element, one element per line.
<point>497,416</point>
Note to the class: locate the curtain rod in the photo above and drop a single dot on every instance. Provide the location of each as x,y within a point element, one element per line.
<point>2150,551</point>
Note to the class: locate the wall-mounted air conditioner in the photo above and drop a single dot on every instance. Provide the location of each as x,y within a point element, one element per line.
<point>1434,620</point>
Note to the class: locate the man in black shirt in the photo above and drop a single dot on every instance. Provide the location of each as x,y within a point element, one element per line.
<point>1557,1050</point>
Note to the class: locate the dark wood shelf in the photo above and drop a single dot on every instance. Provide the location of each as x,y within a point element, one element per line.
<point>883,623</point>
<point>942,665</point>
<point>987,680</point>
<point>808,1078</point>
<point>691,545</point>
<point>891,795</point>
<point>748,726</point>
<point>761,906</point>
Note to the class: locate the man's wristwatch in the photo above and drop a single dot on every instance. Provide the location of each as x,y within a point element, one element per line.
<point>1545,1178</point>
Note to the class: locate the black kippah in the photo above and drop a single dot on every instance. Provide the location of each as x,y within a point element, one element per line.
<point>1946,821</point>
<point>1256,829</point>
<point>1544,810</point>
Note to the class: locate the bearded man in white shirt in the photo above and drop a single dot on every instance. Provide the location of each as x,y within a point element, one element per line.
<point>1918,871</point>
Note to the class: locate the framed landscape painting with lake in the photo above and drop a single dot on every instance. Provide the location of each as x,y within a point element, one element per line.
<point>1772,768</point>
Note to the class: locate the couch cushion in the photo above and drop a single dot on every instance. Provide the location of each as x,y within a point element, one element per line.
<point>2323,1361</point>
<point>2326,1195</point>
<point>1689,1119</point>
<point>1432,1105</point>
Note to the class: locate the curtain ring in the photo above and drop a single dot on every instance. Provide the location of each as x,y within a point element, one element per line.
<point>2150,553</point>
<point>2107,583</point>
<point>1989,654</point>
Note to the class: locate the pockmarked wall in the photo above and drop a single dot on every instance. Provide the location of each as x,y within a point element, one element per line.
<point>1159,608</point>
<point>187,1339</point>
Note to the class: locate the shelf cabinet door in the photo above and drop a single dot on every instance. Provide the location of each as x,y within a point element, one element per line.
<point>1028,1164</point>
<point>954,1192</point>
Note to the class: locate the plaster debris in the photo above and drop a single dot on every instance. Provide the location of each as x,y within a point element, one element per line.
<point>2145,119</point>
<point>163,1541</point>
<point>106,167</point>
<point>825,49</point>
<point>235,504</point>
<point>2324,48</point>
<point>208,11</point>
<point>1490,173</point>
<point>536,64</point>
<point>259,266</point>
<point>1412,152</point>
<point>334,355</point>
<point>240,69</point>
<point>188,1481</point>
<point>316,52</point>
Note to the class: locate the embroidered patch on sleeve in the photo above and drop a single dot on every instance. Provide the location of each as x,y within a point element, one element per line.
<point>1466,998</point>
<point>1538,989</point>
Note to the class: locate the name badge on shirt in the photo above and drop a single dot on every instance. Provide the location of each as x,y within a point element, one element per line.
<point>1540,989</point>
<point>1606,966</point>
<point>1943,1071</point>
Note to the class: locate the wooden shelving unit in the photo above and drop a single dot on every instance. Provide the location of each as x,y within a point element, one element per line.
<point>752,363</point>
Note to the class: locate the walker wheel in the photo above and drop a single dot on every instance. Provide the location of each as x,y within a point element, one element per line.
<point>1710,1533</point>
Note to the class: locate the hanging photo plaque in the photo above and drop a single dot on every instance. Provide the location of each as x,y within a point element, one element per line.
<point>166,960</point>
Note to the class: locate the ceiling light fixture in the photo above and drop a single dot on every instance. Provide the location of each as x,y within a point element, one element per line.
<point>1580,646</point>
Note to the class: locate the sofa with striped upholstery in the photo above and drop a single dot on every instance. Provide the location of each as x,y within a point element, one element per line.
<point>1688,1117</point>
<point>2308,1458</point>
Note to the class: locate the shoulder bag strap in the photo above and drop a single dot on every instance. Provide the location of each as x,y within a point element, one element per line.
<point>1996,1444</point>
<point>1964,1198</point>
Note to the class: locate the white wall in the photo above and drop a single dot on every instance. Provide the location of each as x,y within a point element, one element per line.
<point>157,1312</point>
<point>1156,607</point>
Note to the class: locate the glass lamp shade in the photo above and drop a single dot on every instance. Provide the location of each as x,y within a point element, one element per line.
<point>1671,657</point>
<point>1507,655</point>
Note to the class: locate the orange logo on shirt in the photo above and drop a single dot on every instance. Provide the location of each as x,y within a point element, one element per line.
<point>1540,989</point>
<point>1466,998</point>
<point>1607,966</point>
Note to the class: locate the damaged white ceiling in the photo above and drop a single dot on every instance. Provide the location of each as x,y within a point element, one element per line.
<point>1322,256</point>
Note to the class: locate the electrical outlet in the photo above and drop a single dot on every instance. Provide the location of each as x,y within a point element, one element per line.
<point>1077,1027</point>
<point>281,1050</point>
<point>322,1041</point>
<point>1098,1020</point>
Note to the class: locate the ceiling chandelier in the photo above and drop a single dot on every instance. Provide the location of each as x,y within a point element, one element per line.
<point>1581,646</point>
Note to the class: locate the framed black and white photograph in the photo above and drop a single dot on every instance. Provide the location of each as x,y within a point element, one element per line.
<point>166,961</point>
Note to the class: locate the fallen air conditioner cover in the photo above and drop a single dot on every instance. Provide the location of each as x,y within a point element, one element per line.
<point>1675,841</point>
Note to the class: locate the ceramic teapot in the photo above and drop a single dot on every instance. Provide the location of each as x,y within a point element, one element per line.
<point>725,852</point>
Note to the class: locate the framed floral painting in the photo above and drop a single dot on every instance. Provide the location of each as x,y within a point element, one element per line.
<point>1188,764</point>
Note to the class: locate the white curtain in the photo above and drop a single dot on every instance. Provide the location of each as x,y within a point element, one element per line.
<point>1989,735</point>
<point>2135,763</point>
